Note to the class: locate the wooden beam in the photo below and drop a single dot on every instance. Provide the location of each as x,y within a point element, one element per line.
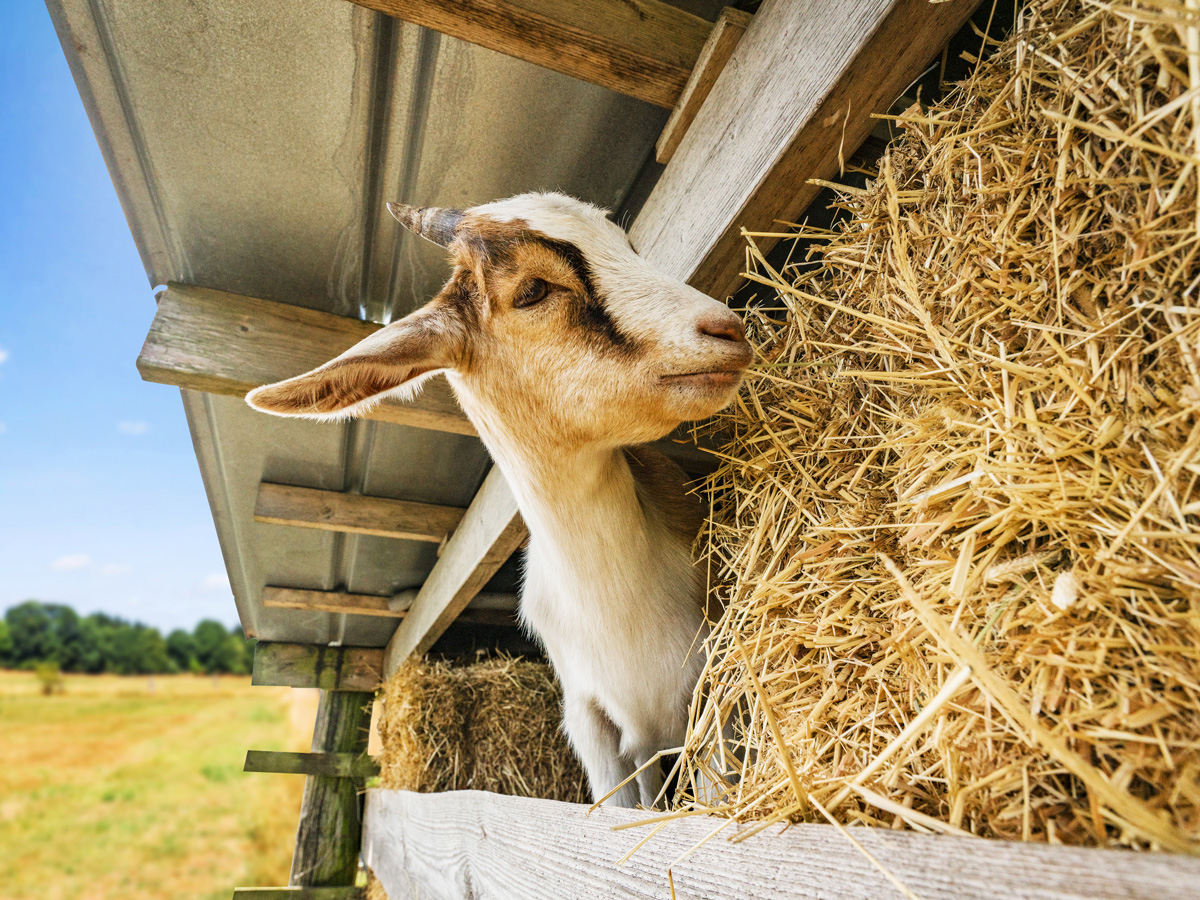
<point>798,91</point>
<point>475,844</point>
<point>371,605</point>
<point>331,765</point>
<point>284,504</point>
<point>316,666</point>
<point>490,531</point>
<point>329,837</point>
<point>348,892</point>
<point>645,49</point>
<point>223,343</point>
<point>717,49</point>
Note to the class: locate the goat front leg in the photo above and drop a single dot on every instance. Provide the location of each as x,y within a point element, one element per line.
<point>597,743</point>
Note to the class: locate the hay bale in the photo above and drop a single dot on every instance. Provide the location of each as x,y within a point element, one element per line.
<point>493,725</point>
<point>992,377</point>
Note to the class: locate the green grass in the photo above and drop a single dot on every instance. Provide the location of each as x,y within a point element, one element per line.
<point>116,790</point>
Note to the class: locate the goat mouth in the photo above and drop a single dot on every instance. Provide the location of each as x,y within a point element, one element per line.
<point>715,378</point>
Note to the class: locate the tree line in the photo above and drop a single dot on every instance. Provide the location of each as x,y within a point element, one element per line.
<point>34,633</point>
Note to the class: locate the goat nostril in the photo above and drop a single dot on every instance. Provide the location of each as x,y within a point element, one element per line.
<point>724,329</point>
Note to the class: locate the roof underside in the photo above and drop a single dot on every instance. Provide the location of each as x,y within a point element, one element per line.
<point>252,147</point>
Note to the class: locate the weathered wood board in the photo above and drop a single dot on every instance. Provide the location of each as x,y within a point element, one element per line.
<point>475,844</point>
<point>314,666</point>
<point>717,49</point>
<point>332,765</point>
<point>645,49</point>
<point>329,837</point>
<point>370,605</point>
<point>490,531</point>
<point>798,90</point>
<point>284,504</point>
<point>223,343</point>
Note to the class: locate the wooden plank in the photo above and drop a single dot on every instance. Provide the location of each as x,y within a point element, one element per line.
<point>371,605</point>
<point>332,765</point>
<point>316,666</point>
<point>299,893</point>
<point>284,504</point>
<point>489,533</point>
<point>475,844</point>
<point>224,343</point>
<point>645,49</point>
<point>799,88</point>
<point>725,34</point>
<point>329,836</point>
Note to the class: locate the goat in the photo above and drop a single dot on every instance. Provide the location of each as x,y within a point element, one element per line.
<point>567,351</point>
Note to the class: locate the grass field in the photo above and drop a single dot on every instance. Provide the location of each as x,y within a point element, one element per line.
<point>132,788</point>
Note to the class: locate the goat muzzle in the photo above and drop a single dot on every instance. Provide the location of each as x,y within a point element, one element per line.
<point>434,223</point>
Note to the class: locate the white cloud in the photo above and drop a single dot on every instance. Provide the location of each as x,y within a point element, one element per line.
<point>115,569</point>
<point>3,428</point>
<point>71,562</point>
<point>137,429</point>
<point>3,355</point>
<point>217,581</point>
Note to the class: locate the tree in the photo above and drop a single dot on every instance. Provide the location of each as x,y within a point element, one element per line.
<point>6,644</point>
<point>212,651</point>
<point>31,629</point>
<point>181,647</point>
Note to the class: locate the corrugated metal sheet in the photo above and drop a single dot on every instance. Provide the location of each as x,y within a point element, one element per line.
<point>253,146</point>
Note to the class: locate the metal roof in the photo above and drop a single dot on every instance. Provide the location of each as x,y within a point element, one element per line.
<point>252,147</point>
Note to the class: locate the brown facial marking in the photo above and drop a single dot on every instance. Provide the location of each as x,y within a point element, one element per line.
<point>494,247</point>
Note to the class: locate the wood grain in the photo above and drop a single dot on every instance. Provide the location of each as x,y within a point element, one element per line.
<point>643,48</point>
<point>333,765</point>
<point>371,605</point>
<point>800,87</point>
<point>490,531</point>
<point>723,38</point>
<point>475,844</point>
<point>317,666</point>
<point>223,343</point>
<point>329,837</point>
<point>284,504</point>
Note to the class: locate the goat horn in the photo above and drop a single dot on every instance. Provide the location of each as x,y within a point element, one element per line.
<point>434,223</point>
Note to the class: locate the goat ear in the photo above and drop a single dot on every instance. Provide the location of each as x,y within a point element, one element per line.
<point>398,356</point>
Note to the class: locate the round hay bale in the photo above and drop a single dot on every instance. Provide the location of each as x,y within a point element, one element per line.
<point>991,377</point>
<point>493,725</point>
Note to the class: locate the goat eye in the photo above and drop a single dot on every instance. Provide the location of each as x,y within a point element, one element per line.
<point>533,292</point>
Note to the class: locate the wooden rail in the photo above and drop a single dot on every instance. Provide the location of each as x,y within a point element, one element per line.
<point>796,95</point>
<point>284,504</point>
<point>331,765</point>
<point>223,343</point>
<point>645,49</point>
<point>489,533</point>
<point>474,844</point>
<point>314,666</point>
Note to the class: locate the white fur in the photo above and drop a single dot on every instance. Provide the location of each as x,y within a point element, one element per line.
<point>610,585</point>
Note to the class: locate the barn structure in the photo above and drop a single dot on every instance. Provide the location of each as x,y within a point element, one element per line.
<point>253,146</point>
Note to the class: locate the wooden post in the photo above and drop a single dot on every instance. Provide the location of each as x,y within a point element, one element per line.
<point>330,833</point>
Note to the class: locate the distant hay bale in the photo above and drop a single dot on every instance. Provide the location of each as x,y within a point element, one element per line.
<point>992,378</point>
<point>494,725</point>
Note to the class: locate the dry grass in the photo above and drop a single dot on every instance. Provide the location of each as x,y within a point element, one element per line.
<point>490,726</point>
<point>993,379</point>
<point>133,788</point>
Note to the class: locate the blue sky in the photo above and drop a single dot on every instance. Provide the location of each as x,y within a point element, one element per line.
<point>101,503</point>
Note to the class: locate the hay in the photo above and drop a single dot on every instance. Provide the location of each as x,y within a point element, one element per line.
<point>992,377</point>
<point>490,726</point>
